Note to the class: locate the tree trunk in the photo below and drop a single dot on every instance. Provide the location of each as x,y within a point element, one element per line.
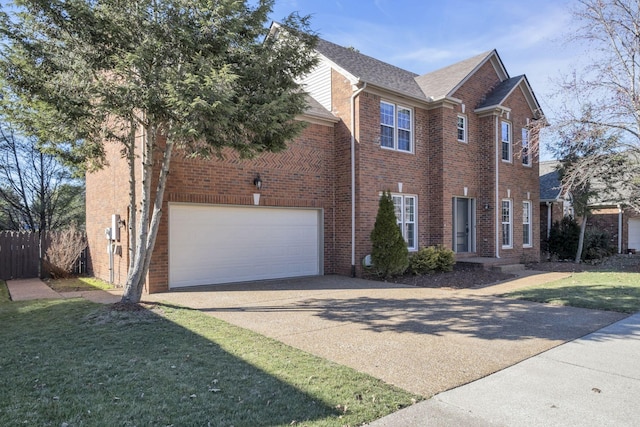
<point>148,224</point>
<point>583,227</point>
<point>131,159</point>
<point>131,293</point>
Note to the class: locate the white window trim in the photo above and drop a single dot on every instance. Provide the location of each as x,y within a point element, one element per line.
<point>525,137</point>
<point>510,142</point>
<point>396,108</point>
<point>527,225</point>
<point>465,138</point>
<point>510,223</point>
<point>402,222</point>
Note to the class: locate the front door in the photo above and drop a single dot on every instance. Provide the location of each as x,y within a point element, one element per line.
<point>463,224</point>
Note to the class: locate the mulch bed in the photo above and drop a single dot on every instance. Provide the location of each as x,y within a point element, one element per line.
<point>469,277</point>
<point>459,278</point>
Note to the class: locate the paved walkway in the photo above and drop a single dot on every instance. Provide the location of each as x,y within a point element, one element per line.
<point>29,289</point>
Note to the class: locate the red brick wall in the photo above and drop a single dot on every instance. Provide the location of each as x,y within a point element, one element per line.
<point>301,176</point>
<point>107,193</point>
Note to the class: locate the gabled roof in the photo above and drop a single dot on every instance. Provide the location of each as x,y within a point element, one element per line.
<point>444,82</point>
<point>501,92</point>
<point>373,71</point>
<point>434,86</point>
<point>550,185</point>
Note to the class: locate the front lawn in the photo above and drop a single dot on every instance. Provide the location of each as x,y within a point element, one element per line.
<point>77,284</point>
<point>613,291</point>
<point>4,292</point>
<point>73,362</point>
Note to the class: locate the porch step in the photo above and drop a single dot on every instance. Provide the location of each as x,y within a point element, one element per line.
<point>509,268</point>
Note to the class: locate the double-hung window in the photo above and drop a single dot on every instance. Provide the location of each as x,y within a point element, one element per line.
<point>526,155</point>
<point>396,127</point>
<point>462,128</point>
<point>505,137</point>
<point>405,209</point>
<point>526,224</point>
<point>507,229</point>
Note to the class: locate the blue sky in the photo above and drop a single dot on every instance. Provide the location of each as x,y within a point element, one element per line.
<point>424,35</point>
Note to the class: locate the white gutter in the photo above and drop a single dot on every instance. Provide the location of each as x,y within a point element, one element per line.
<point>353,178</point>
<point>549,204</point>
<point>619,229</point>
<point>498,205</point>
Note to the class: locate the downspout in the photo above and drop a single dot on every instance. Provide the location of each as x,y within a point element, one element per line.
<point>498,205</point>
<point>353,178</point>
<point>619,229</point>
<point>548,219</point>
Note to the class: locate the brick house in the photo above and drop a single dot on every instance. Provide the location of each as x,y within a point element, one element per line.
<point>619,221</point>
<point>452,146</point>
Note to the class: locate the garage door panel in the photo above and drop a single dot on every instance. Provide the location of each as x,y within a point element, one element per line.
<point>214,244</point>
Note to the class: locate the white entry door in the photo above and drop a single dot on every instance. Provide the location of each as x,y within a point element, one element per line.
<point>221,244</point>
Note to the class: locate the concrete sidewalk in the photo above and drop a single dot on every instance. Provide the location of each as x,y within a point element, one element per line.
<point>592,381</point>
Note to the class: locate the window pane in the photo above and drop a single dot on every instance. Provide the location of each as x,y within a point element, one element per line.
<point>409,209</point>
<point>410,235</point>
<point>404,140</point>
<point>525,147</point>
<point>397,207</point>
<point>506,235</point>
<point>506,214</point>
<point>506,222</point>
<point>386,136</point>
<point>387,114</point>
<point>461,128</point>
<point>506,133</point>
<point>526,223</point>
<point>404,119</point>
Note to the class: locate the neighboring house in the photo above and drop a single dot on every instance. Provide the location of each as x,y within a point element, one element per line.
<point>607,214</point>
<point>555,203</point>
<point>452,146</point>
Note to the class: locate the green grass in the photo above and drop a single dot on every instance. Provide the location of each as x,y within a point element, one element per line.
<point>613,291</point>
<point>78,284</point>
<point>72,361</point>
<point>4,292</point>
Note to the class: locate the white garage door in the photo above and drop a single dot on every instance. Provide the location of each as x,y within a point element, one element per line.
<point>216,244</point>
<point>634,233</point>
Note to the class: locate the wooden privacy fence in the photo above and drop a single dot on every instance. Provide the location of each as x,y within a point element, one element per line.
<point>20,254</point>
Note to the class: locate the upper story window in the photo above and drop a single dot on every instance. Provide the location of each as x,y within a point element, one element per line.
<point>405,208</point>
<point>396,127</point>
<point>505,137</point>
<point>462,128</point>
<point>526,155</point>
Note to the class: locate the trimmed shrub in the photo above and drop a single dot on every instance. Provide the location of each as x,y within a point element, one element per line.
<point>563,238</point>
<point>597,245</point>
<point>446,259</point>
<point>431,259</point>
<point>389,253</point>
<point>424,261</point>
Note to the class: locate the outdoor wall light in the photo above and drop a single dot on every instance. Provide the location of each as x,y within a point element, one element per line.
<point>257,181</point>
<point>487,206</point>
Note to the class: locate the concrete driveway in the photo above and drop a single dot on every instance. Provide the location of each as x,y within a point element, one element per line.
<point>419,339</point>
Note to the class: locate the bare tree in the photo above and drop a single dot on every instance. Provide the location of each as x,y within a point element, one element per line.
<point>37,192</point>
<point>604,97</point>
<point>590,168</point>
